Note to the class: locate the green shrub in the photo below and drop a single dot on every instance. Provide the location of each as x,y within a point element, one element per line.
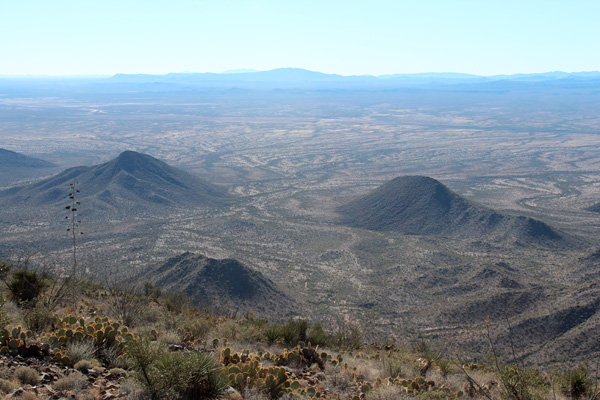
<point>433,395</point>
<point>206,380</point>
<point>3,318</point>
<point>273,333</point>
<point>445,367</point>
<point>576,383</point>
<point>293,331</point>
<point>393,366</point>
<point>26,286</point>
<point>518,383</point>
<point>175,374</point>
<point>317,336</point>
<point>289,333</point>
<point>348,339</point>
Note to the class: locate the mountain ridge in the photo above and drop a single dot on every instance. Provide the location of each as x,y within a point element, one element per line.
<point>300,74</point>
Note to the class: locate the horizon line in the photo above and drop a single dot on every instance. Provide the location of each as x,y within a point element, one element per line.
<point>230,72</point>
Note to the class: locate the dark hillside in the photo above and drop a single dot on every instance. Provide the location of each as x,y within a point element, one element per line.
<point>594,208</point>
<point>10,159</point>
<point>226,284</point>
<point>419,205</point>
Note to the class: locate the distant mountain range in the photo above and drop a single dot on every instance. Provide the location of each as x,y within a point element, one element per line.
<point>225,284</point>
<point>10,159</point>
<point>420,205</point>
<point>132,182</point>
<point>303,76</point>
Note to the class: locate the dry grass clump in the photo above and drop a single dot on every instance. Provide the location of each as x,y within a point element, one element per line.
<point>117,373</point>
<point>170,337</point>
<point>84,365</point>
<point>132,390</point>
<point>27,376</point>
<point>74,381</point>
<point>386,393</point>
<point>7,386</point>
<point>111,356</point>
<point>81,350</point>
<point>339,379</point>
<point>398,364</point>
<point>29,396</point>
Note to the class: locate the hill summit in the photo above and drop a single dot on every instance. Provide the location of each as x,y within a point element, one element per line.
<point>131,182</point>
<point>419,205</point>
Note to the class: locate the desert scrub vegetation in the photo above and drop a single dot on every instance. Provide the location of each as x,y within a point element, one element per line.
<point>175,350</point>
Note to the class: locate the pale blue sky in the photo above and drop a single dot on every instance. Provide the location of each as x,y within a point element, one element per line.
<point>84,37</point>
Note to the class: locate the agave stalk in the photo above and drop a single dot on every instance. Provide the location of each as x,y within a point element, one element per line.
<point>74,228</point>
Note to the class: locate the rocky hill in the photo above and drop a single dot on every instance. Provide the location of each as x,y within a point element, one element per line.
<point>225,284</point>
<point>419,205</point>
<point>132,183</point>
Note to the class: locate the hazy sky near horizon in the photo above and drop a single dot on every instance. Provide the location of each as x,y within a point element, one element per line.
<point>487,37</point>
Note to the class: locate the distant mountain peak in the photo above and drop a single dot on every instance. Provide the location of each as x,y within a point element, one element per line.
<point>131,160</point>
<point>132,182</point>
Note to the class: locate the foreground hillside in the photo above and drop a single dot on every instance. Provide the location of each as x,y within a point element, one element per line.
<point>86,341</point>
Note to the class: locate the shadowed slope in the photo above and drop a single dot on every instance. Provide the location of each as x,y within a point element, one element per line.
<point>421,205</point>
<point>10,159</point>
<point>226,284</point>
<point>594,208</point>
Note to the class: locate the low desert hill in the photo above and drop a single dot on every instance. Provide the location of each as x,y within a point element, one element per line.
<point>594,208</point>
<point>226,284</point>
<point>419,205</point>
<point>16,167</point>
<point>10,159</point>
<point>133,183</point>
